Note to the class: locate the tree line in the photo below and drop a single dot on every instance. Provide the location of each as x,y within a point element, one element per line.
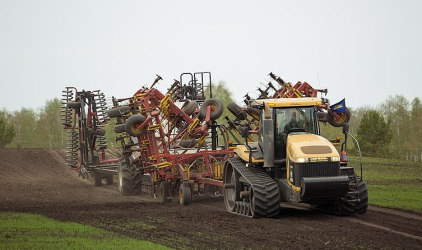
<point>392,129</point>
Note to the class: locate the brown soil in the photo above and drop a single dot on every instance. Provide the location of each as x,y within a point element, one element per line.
<point>37,181</point>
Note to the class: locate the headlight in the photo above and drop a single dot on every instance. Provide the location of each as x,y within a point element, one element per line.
<point>335,158</point>
<point>302,160</point>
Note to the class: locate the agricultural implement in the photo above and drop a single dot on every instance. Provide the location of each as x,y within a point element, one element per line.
<point>170,145</point>
<point>83,115</point>
<point>169,142</point>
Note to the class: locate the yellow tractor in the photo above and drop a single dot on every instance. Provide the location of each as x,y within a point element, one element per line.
<point>290,162</point>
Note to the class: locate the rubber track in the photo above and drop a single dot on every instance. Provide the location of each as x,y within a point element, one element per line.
<point>265,190</point>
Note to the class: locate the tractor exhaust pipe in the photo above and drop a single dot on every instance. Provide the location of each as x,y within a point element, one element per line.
<point>268,138</point>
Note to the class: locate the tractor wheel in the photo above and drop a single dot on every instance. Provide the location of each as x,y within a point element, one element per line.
<point>338,122</point>
<point>185,194</point>
<point>73,105</point>
<point>236,111</point>
<point>216,109</point>
<point>165,191</point>
<point>132,124</point>
<point>190,107</point>
<point>97,179</point>
<point>120,128</point>
<point>101,131</point>
<point>253,112</point>
<point>125,179</point>
<point>109,179</point>
<point>118,111</point>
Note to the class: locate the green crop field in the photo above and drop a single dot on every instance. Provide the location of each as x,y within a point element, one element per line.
<point>392,183</point>
<point>28,231</point>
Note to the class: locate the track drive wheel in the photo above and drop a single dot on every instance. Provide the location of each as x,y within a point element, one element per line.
<point>185,194</point>
<point>231,187</point>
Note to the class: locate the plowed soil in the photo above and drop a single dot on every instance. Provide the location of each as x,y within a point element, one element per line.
<point>37,181</point>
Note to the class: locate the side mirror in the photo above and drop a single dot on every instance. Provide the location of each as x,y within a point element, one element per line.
<point>345,128</point>
<point>244,131</point>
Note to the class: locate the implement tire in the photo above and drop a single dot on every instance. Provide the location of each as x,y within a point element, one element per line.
<point>338,122</point>
<point>236,111</point>
<point>132,124</point>
<point>190,107</point>
<point>118,111</point>
<point>125,179</point>
<point>216,109</point>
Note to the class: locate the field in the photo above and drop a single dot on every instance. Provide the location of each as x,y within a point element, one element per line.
<point>393,183</point>
<point>43,204</point>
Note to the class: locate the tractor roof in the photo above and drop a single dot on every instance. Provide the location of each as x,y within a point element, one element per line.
<point>290,102</point>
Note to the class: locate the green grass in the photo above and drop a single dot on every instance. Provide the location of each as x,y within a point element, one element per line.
<point>28,231</point>
<point>392,183</point>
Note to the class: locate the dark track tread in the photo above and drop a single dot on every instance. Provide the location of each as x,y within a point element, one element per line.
<point>265,190</point>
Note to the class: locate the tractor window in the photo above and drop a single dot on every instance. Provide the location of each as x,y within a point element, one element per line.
<point>291,119</point>
<point>287,119</point>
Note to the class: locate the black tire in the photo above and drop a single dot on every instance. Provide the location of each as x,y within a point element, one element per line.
<point>236,111</point>
<point>190,107</point>
<point>118,111</point>
<point>185,194</point>
<point>73,105</point>
<point>125,179</point>
<point>190,143</point>
<point>132,124</point>
<point>109,179</point>
<point>216,109</point>
<point>101,131</point>
<point>120,128</point>
<point>254,113</point>
<point>97,179</point>
<point>165,191</point>
<point>344,118</point>
<point>137,182</point>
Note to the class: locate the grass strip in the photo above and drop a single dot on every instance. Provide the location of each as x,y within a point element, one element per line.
<point>29,231</point>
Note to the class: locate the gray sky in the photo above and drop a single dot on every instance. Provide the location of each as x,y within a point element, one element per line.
<point>362,50</point>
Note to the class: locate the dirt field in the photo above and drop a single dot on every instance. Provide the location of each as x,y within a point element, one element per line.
<point>37,181</point>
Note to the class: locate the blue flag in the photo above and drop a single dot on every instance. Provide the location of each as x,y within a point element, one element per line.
<point>339,107</point>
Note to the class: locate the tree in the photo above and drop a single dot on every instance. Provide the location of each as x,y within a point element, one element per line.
<point>416,128</point>
<point>49,130</point>
<point>25,122</point>
<point>374,134</point>
<point>7,132</point>
<point>396,110</point>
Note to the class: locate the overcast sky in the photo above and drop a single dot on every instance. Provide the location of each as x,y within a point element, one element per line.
<point>363,51</point>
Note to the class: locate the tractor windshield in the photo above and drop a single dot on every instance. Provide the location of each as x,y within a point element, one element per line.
<point>295,119</point>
